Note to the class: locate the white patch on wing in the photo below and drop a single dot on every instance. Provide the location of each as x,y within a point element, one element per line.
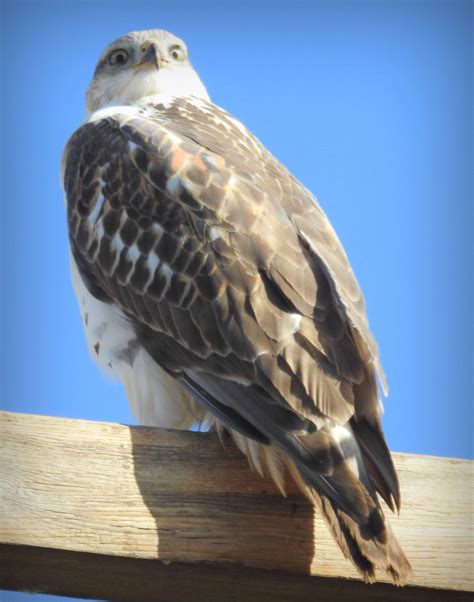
<point>132,147</point>
<point>99,230</point>
<point>157,229</point>
<point>193,189</point>
<point>118,243</point>
<point>173,185</point>
<point>296,322</point>
<point>341,434</point>
<point>345,439</point>
<point>212,160</point>
<point>133,252</point>
<point>94,214</point>
<point>153,262</point>
<point>166,271</point>
<point>214,234</point>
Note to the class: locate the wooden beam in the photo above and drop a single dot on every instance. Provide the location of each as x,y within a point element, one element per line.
<point>109,511</point>
<point>139,580</point>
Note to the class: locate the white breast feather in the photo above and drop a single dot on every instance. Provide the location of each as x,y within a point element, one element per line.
<point>156,399</point>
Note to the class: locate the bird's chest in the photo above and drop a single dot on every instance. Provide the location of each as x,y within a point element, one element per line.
<point>155,398</point>
<point>110,337</point>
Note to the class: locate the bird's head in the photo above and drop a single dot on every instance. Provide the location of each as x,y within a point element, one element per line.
<point>140,64</point>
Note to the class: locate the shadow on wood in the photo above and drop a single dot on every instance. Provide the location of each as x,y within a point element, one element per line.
<point>205,511</point>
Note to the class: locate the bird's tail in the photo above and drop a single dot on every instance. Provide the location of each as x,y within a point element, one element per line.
<point>332,469</point>
<point>369,544</point>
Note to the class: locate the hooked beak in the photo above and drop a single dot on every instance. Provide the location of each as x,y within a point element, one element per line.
<point>150,58</point>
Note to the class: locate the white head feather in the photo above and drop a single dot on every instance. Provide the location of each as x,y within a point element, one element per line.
<point>141,64</point>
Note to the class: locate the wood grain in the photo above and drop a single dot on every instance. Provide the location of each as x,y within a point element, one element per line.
<point>79,490</point>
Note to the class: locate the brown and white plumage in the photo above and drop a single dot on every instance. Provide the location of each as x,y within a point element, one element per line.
<point>211,282</point>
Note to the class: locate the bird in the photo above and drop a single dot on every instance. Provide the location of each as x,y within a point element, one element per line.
<point>211,283</point>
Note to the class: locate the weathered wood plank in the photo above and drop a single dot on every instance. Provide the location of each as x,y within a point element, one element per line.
<point>76,488</point>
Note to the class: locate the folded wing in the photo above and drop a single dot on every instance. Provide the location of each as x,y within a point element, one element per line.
<point>237,286</point>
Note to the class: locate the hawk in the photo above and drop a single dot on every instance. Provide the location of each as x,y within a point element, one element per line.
<point>211,283</point>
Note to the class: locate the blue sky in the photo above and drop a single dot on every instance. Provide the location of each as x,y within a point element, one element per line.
<point>368,104</point>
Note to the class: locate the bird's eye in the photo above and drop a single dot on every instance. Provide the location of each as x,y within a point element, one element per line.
<point>177,53</point>
<point>118,57</point>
